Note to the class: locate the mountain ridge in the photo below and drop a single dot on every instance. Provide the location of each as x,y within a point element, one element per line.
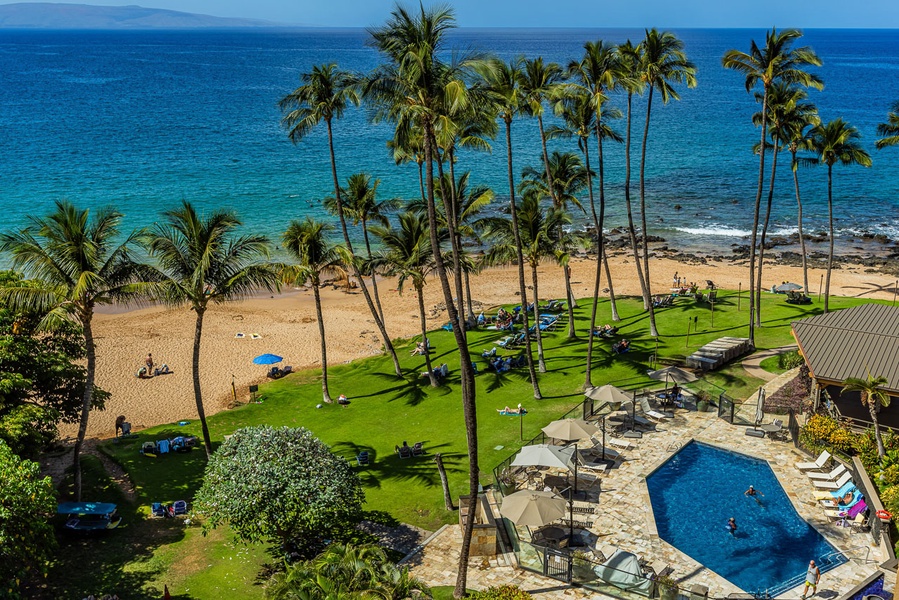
<point>51,15</point>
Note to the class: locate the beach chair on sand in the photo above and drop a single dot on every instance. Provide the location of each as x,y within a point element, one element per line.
<point>817,465</point>
<point>833,485</point>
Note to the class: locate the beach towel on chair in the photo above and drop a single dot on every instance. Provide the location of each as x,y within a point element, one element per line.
<point>163,446</point>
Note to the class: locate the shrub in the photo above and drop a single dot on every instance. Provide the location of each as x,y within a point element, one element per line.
<point>794,395</point>
<point>822,432</point>
<point>790,360</point>
<point>890,499</point>
<point>503,592</point>
<point>865,445</point>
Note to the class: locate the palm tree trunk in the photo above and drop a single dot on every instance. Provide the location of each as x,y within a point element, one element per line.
<point>466,371</point>
<point>758,280</point>
<point>598,275</point>
<point>374,276</point>
<point>830,251</point>
<point>388,345</point>
<point>449,211</point>
<point>601,241</point>
<point>522,286</point>
<point>419,289</point>
<point>872,408</point>
<point>614,305</point>
<point>421,180</point>
<point>572,334</point>
<point>631,230</point>
<point>753,235</point>
<point>444,483</point>
<point>541,362</point>
<point>647,289</point>
<point>468,299</point>
<point>90,352</point>
<point>799,223</point>
<point>457,238</point>
<point>198,392</point>
<point>326,395</point>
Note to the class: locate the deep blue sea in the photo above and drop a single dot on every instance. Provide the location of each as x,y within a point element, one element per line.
<point>142,120</point>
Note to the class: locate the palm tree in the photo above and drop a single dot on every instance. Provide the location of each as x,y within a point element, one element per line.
<point>410,89</point>
<point>407,255</point>
<point>889,130</point>
<point>307,242</point>
<point>203,262</point>
<point>873,397</point>
<point>325,94</point>
<point>503,81</point>
<point>776,61</point>
<point>785,108</point>
<point>833,142</point>
<point>595,74</point>
<point>361,207</point>
<point>72,264</point>
<point>663,62</point>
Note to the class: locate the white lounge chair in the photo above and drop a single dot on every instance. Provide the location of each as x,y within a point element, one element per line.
<point>619,443</point>
<point>818,464</point>
<point>652,414</point>
<point>838,470</point>
<point>833,485</point>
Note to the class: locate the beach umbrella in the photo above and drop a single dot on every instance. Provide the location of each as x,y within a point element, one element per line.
<point>675,374</point>
<point>787,287</point>
<point>267,359</point>
<point>533,509</point>
<point>545,455</point>
<point>570,429</point>
<point>608,393</point>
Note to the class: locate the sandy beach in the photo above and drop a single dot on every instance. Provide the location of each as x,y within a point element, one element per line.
<point>287,327</point>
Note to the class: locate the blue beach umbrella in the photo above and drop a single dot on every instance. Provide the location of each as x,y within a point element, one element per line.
<point>267,359</point>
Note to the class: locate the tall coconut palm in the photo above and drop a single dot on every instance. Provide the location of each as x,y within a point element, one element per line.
<point>204,262</point>
<point>325,94</point>
<point>407,255</point>
<point>627,78</point>
<point>503,81</point>
<point>785,107</point>
<point>595,74</point>
<point>72,262</point>
<point>307,242</point>
<point>361,207</point>
<point>776,61</point>
<point>873,398</point>
<point>663,63</point>
<point>411,88</point>
<point>889,130</point>
<point>836,142</point>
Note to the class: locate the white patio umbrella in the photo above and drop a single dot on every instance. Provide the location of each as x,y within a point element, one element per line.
<point>675,374</point>
<point>533,509</point>
<point>570,429</point>
<point>545,455</point>
<point>608,393</point>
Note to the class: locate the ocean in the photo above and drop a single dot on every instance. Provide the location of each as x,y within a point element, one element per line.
<point>142,120</point>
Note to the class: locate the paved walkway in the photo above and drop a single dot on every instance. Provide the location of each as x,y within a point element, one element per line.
<point>624,518</point>
<point>752,364</point>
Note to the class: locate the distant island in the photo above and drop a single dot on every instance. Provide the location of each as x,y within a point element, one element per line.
<point>50,15</point>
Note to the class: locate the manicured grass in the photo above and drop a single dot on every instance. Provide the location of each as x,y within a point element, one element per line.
<point>385,411</point>
<point>772,365</point>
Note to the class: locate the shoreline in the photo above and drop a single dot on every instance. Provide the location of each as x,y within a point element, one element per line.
<point>287,326</point>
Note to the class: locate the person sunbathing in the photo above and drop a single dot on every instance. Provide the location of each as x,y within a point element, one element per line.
<point>510,411</point>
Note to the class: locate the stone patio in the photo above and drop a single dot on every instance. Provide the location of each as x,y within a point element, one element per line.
<point>624,519</point>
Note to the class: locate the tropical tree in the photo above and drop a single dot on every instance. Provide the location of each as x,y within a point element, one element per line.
<point>786,111</point>
<point>344,571</point>
<point>203,262</point>
<point>307,242</point>
<point>776,61</point>
<point>663,63</point>
<point>325,94</point>
<point>411,89</point>
<point>361,207</point>
<point>407,255</point>
<point>873,397</point>
<point>72,264</point>
<point>890,129</point>
<point>503,82</point>
<point>836,142</point>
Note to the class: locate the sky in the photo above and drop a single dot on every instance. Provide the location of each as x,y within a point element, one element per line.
<point>557,13</point>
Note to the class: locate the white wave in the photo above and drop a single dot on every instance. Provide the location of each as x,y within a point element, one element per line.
<point>715,230</point>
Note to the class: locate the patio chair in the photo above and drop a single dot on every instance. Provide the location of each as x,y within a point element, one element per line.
<point>179,507</point>
<point>362,459</point>
<point>839,470</point>
<point>417,449</point>
<point>774,429</point>
<point>162,446</point>
<point>649,412</point>
<point>826,495</point>
<point>619,443</point>
<point>818,464</point>
<point>404,451</point>
<point>833,485</point>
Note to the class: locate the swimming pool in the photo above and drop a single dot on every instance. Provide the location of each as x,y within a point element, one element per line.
<point>699,488</point>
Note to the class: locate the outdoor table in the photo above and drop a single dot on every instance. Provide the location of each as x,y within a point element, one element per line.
<point>555,534</point>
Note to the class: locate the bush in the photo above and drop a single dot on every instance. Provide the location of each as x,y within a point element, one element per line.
<point>503,592</point>
<point>865,445</point>
<point>890,499</point>
<point>794,395</point>
<point>822,432</point>
<point>790,360</point>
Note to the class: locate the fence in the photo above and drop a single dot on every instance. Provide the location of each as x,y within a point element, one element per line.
<point>726,408</point>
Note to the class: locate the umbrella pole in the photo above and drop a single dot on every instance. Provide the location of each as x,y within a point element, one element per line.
<point>603,421</point>
<point>571,519</point>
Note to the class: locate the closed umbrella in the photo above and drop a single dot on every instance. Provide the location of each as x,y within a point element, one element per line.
<point>533,509</point>
<point>570,429</point>
<point>545,455</point>
<point>267,359</point>
<point>760,408</point>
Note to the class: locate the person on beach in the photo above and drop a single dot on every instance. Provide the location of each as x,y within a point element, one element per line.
<point>149,363</point>
<point>675,280</point>
<point>812,577</point>
<point>732,526</point>
<point>754,494</point>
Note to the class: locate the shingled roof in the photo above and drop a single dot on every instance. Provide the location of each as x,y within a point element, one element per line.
<point>851,342</point>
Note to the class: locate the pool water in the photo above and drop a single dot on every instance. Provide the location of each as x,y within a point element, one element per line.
<point>694,494</point>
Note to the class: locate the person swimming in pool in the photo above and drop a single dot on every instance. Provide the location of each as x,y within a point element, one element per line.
<point>754,494</point>
<point>732,526</point>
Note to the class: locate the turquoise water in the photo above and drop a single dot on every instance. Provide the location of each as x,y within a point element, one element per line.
<point>701,487</point>
<point>144,119</point>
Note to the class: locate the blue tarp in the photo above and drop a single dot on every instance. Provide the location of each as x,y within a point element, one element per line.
<point>85,508</point>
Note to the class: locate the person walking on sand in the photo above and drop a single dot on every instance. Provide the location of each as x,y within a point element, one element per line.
<point>149,361</point>
<point>812,577</point>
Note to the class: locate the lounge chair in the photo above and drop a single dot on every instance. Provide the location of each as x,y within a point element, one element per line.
<point>157,510</point>
<point>404,451</point>
<point>839,470</point>
<point>835,502</point>
<point>417,449</point>
<point>148,448</point>
<point>818,464</point>
<point>163,446</point>
<point>833,485</point>
<point>362,458</point>
<point>649,412</point>
<point>619,443</point>
<point>179,507</point>
<point>822,495</point>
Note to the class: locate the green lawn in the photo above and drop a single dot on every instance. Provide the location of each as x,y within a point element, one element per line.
<point>385,411</point>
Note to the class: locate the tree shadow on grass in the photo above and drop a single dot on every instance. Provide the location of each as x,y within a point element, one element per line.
<point>420,470</point>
